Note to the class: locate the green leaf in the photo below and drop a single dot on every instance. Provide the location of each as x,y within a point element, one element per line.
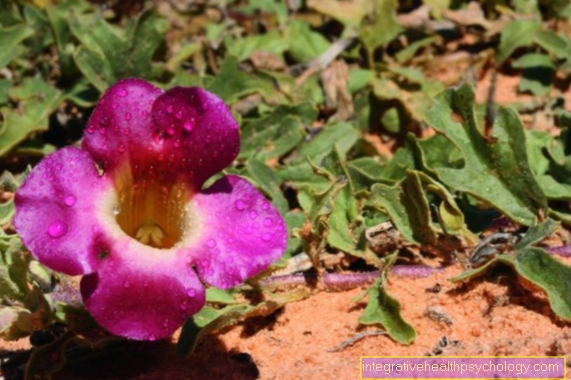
<point>221,296</point>
<point>411,50</point>
<point>14,262</point>
<point>406,205</point>
<point>516,34</point>
<point>231,83</point>
<point>275,139</point>
<point>344,135</point>
<point>385,310</point>
<point>497,169</point>
<point>10,38</point>
<point>359,79</point>
<point>37,100</point>
<point>267,180</point>
<point>538,73</point>
<point>305,44</point>
<point>537,266</point>
<point>243,48</point>
<point>384,26</point>
<point>557,44</point>
<point>350,12</point>
<point>108,53</point>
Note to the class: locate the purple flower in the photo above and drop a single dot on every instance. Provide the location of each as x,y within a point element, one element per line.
<point>128,210</point>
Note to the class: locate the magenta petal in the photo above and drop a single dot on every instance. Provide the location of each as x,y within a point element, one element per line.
<point>121,128</point>
<point>142,293</point>
<point>200,135</point>
<point>55,209</point>
<point>242,232</point>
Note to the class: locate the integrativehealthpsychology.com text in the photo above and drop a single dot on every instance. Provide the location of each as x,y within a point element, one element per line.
<point>379,367</point>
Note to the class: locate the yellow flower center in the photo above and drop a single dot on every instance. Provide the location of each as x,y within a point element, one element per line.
<point>149,211</point>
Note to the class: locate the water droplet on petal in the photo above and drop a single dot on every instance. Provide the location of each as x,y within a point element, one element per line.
<point>189,125</point>
<point>128,116</point>
<point>266,237</point>
<point>169,109</point>
<point>126,284</point>
<point>177,143</point>
<point>253,214</point>
<point>123,93</point>
<point>265,206</point>
<point>178,115</point>
<point>69,200</point>
<point>121,148</point>
<point>240,205</point>
<point>211,243</point>
<point>268,222</point>
<point>191,293</point>
<point>152,337</point>
<point>57,229</point>
<point>183,306</point>
<point>170,130</point>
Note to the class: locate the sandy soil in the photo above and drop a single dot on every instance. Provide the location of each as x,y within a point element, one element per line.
<point>492,315</point>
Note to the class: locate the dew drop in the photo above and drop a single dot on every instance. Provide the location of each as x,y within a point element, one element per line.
<point>104,121</point>
<point>126,284</point>
<point>265,206</point>
<point>57,229</point>
<point>268,222</point>
<point>123,93</point>
<point>169,109</point>
<point>121,148</point>
<point>128,116</point>
<point>90,129</point>
<point>211,243</point>
<point>240,205</point>
<point>152,337</point>
<point>178,115</point>
<point>69,200</point>
<point>191,293</point>
<point>170,130</point>
<point>253,214</point>
<point>183,306</point>
<point>266,237</point>
<point>189,125</point>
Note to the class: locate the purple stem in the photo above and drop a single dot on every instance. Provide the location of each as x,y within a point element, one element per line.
<point>563,250</point>
<point>345,281</point>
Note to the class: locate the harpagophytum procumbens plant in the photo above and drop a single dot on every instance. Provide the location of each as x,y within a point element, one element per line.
<point>128,211</point>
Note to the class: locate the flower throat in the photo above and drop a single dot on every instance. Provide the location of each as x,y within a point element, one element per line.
<point>150,211</point>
